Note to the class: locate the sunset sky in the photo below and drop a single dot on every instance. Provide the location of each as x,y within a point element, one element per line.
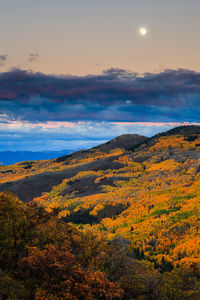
<point>75,73</point>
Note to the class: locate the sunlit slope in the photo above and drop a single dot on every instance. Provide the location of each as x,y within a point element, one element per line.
<point>147,192</point>
<point>152,198</point>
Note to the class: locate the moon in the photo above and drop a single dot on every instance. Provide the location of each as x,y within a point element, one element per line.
<point>143,31</point>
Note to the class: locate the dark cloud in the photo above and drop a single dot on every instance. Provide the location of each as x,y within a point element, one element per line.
<point>3,59</point>
<point>33,57</point>
<point>115,95</point>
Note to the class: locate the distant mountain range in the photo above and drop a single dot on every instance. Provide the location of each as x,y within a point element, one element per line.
<point>12,157</point>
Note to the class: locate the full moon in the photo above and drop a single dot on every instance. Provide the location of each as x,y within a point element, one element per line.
<point>142,31</point>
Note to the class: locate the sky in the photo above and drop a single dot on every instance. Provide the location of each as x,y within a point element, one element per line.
<point>76,73</point>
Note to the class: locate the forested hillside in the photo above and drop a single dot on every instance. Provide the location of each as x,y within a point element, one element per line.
<point>119,221</point>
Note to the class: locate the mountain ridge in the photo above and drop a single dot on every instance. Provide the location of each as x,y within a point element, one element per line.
<point>42,176</point>
<point>146,198</point>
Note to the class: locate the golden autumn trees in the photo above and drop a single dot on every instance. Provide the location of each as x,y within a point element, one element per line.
<point>37,259</point>
<point>135,231</point>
